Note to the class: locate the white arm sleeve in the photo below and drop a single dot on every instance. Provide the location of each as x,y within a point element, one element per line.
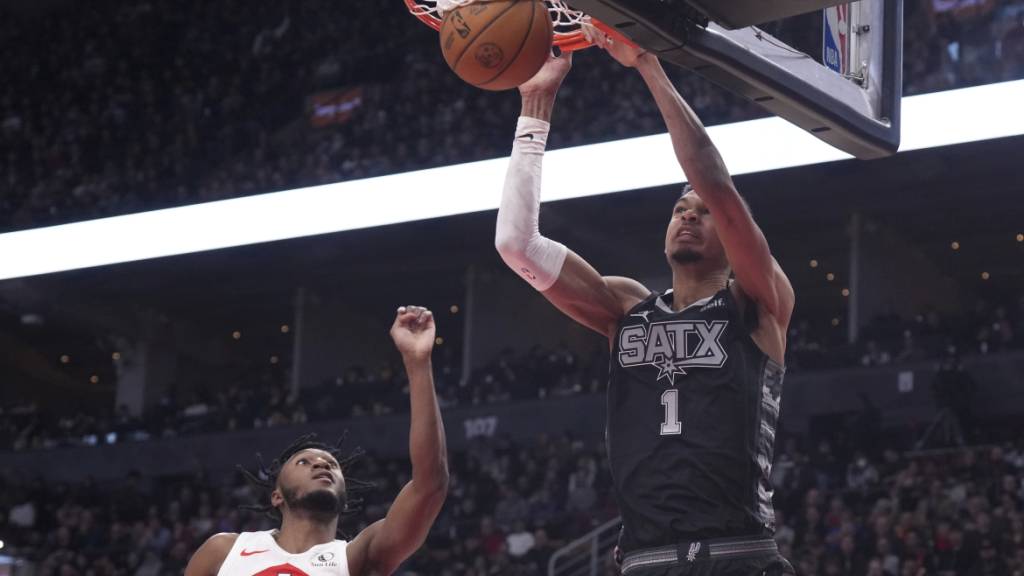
<point>517,237</point>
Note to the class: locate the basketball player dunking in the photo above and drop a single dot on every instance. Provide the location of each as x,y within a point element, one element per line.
<point>696,371</point>
<point>308,493</point>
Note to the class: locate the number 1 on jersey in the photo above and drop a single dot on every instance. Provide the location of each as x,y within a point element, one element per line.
<point>671,426</point>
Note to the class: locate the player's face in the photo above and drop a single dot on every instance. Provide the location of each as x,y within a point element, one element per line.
<point>691,235</point>
<point>311,479</point>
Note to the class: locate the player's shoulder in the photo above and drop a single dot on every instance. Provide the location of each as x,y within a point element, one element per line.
<point>211,555</point>
<point>223,540</point>
<point>628,291</point>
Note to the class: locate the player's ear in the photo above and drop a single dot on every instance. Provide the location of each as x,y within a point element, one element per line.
<point>276,498</point>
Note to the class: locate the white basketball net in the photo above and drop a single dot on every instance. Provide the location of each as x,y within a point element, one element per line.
<point>564,19</point>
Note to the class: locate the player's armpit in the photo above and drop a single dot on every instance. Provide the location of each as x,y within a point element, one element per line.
<point>629,291</point>
<point>756,270</point>
<point>208,559</point>
<point>382,546</point>
<point>770,335</point>
<point>595,301</point>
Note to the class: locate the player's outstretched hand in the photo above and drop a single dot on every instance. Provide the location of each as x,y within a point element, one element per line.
<point>549,77</point>
<point>413,332</point>
<point>626,53</point>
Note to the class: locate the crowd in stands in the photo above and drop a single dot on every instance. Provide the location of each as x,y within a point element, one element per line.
<point>987,328</point>
<point>509,507</point>
<point>843,509</point>
<point>111,108</point>
<point>951,513</point>
<point>264,400</point>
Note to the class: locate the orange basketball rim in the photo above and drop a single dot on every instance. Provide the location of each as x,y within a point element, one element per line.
<point>566,22</point>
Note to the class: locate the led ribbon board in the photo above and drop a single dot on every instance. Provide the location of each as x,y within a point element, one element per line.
<point>930,120</point>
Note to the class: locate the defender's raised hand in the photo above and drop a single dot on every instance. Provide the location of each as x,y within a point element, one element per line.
<point>413,332</point>
<point>382,546</point>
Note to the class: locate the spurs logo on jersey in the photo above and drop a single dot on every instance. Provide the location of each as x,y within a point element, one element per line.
<point>672,347</point>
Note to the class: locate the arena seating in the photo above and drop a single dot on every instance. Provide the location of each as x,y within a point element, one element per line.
<point>955,512</point>
<point>102,134</point>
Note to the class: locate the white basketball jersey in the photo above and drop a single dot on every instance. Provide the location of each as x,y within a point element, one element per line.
<point>257,554</point>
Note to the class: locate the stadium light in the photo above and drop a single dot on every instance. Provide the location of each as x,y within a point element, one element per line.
<point>929,120</point>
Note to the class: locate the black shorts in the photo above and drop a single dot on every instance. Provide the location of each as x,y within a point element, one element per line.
<point>725,557</point>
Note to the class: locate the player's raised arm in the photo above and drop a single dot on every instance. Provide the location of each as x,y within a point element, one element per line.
<point>757,273</point>
<point>384,545</point>
<point>562,276</point>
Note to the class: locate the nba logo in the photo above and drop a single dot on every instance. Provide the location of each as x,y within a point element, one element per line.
<point>836,54</point>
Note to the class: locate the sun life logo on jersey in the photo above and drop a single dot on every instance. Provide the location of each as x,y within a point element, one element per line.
<point>673,347</point>
<point>324,560</point>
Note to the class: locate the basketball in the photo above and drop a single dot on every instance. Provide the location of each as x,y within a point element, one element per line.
<point>497,44</point>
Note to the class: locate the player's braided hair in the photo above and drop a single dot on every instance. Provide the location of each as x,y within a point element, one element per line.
<point>264,478</point>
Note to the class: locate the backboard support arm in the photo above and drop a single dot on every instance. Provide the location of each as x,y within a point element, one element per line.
<point>861,120</point>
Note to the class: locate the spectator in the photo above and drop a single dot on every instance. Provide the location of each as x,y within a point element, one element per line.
<point>581,485</point>
<point>861,475</point>
<point>512,509</point>
<point>520,541</point>
<point>874,356</point>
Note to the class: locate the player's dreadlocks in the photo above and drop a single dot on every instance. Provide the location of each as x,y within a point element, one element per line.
<point>264,477</point>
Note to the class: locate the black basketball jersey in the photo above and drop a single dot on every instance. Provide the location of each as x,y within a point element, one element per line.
<point>692,409</point>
